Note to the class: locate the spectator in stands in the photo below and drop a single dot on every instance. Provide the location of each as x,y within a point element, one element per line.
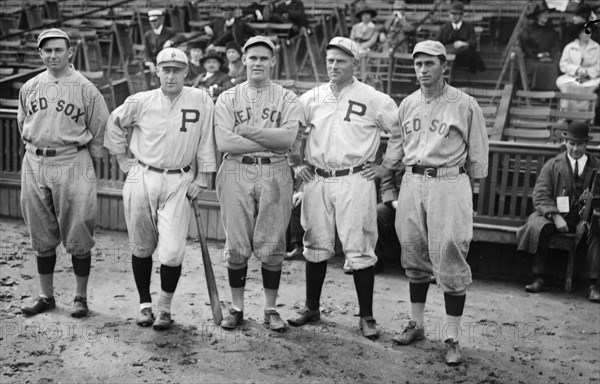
<point>459,38</point>
<point>539,41</point>
<point>570,31</point>
<point>580,64</point>
<point>557,202</point>
<point>228,29</point>
<point>157,38</point>
<point>397,32</point>
<point>213,80</point>
<point>235,68</point>
<point>365,33</point>
<point>290,11</point>
<point>195,67</point>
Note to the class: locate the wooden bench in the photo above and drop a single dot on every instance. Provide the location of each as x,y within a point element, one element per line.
<point>503,200</point>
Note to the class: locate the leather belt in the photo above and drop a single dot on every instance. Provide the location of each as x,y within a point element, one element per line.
<point>433,172</point>
<point>185,169</point>
<point>253,160</point>
<point>49,152</point>
<point>337,172</point>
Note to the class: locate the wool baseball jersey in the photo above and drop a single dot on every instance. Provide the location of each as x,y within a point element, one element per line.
<point>62,112</point>
<point>270,114</point>
<point>165,134</point>
<point>447,130</point>
<point>345,131</point>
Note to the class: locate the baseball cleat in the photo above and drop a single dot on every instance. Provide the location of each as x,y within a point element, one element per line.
<point>453,353</point>
<point>233,319</point>
<point>80,307</point>
<point>274,321</point>
<point>306,316</point>
<point>163,321</point>
<point>145,317</point>
<point>593,293</point>
<point>42,304</point>
<point>368,326</point>
<point>410,334</point>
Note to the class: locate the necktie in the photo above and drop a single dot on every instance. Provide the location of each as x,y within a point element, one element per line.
<point>576,172</point>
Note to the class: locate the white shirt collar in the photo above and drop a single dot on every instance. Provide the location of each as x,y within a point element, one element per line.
<point>158,30</point>
<point>457,25</point>
<point>581,161</point>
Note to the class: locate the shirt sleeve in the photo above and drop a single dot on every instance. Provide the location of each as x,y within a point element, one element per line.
<point>96,117</point>
<point>224,122</point>
<point>478,145</point>
<point>125,116</point>
<point>207,155</point>
<point>395,148</point>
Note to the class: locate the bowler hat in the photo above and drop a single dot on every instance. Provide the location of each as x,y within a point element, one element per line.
<point>457,7</point>
<point>577,131</point>
<point>583,10</point>
<point>233,45</point>
<point>537,9</point>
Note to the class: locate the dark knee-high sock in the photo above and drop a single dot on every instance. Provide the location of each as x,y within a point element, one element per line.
<point>169,277</point>
<point>142,271</point>
<point>364,281</point>
<point>315,276</point>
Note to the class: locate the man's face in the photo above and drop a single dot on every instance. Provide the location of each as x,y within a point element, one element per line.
<point>195,54</point>
<point>171,78</point>
<point>258,60</point>
<point>340,66</point>
<point>428,69</point>
<point>156,23</point>
<point>212,65</point>
<point>232,55</point>
<point>55,54</point>
<point>455,17</point>
<point>576,149</point>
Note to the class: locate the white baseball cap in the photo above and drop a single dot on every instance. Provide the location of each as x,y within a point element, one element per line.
<point>172,57</point>
<point>52,33</point>
<point>262,40</point>
<point>429,47</point>
<point>344,44</point>
<point>154,14</point>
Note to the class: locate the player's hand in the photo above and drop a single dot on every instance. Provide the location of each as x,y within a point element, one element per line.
<point>560,223</point>
<point>194,190</point>
<point>297,198</point>
<point>395,204</point>
<point>168,44</point>
<point>372,171</point>
<point>304,173</point>
<point>125,163</point>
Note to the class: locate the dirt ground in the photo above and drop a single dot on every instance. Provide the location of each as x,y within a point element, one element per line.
<point>509,336</point>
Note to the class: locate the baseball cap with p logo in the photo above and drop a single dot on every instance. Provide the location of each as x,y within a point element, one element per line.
<point>344,44</point>
<point>172,57</point>
<point>52,33</point>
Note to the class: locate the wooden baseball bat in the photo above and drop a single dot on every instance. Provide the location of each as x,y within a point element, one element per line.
<point>215,303</point>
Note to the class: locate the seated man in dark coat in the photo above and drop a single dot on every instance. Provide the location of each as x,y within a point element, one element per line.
<point>291,11</point>
<point>157,38</point>
<point>556,198</point>
<point>459,38</point>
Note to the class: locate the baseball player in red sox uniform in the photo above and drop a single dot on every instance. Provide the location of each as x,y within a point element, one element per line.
<point>345,118</point>
<point>443,142</point>
<point>256,124</point>
<point>172,136</point>
<point>61,117</point>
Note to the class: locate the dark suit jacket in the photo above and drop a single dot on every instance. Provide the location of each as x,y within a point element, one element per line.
<point>238,32</point>
<point>220,79</point>
<point>556,175</point>
<point>447,35</point>
<point>153,43</point>
<point>295,12</point>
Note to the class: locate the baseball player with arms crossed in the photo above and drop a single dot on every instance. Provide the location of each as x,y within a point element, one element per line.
<point>443,143</point>
<point>172,134</point>
<point>256,124</point>
<point>346,118</point>
<point>61,116</point>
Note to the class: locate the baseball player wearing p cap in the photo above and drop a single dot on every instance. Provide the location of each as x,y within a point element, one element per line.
<point>443,142</point>
<point>346,118</point>
<point>61,116</point>
<point>256,124</point>
<point>172,134</point>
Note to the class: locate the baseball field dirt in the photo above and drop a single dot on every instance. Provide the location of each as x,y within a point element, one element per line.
<point>509,336</point>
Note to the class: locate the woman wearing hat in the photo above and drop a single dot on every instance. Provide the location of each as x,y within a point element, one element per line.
<point>195,67</point>
<point>213,80</point>
<point>580,64</point>
<point>539,41</point>
<point>365,33</point>
<point>235,67</point>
